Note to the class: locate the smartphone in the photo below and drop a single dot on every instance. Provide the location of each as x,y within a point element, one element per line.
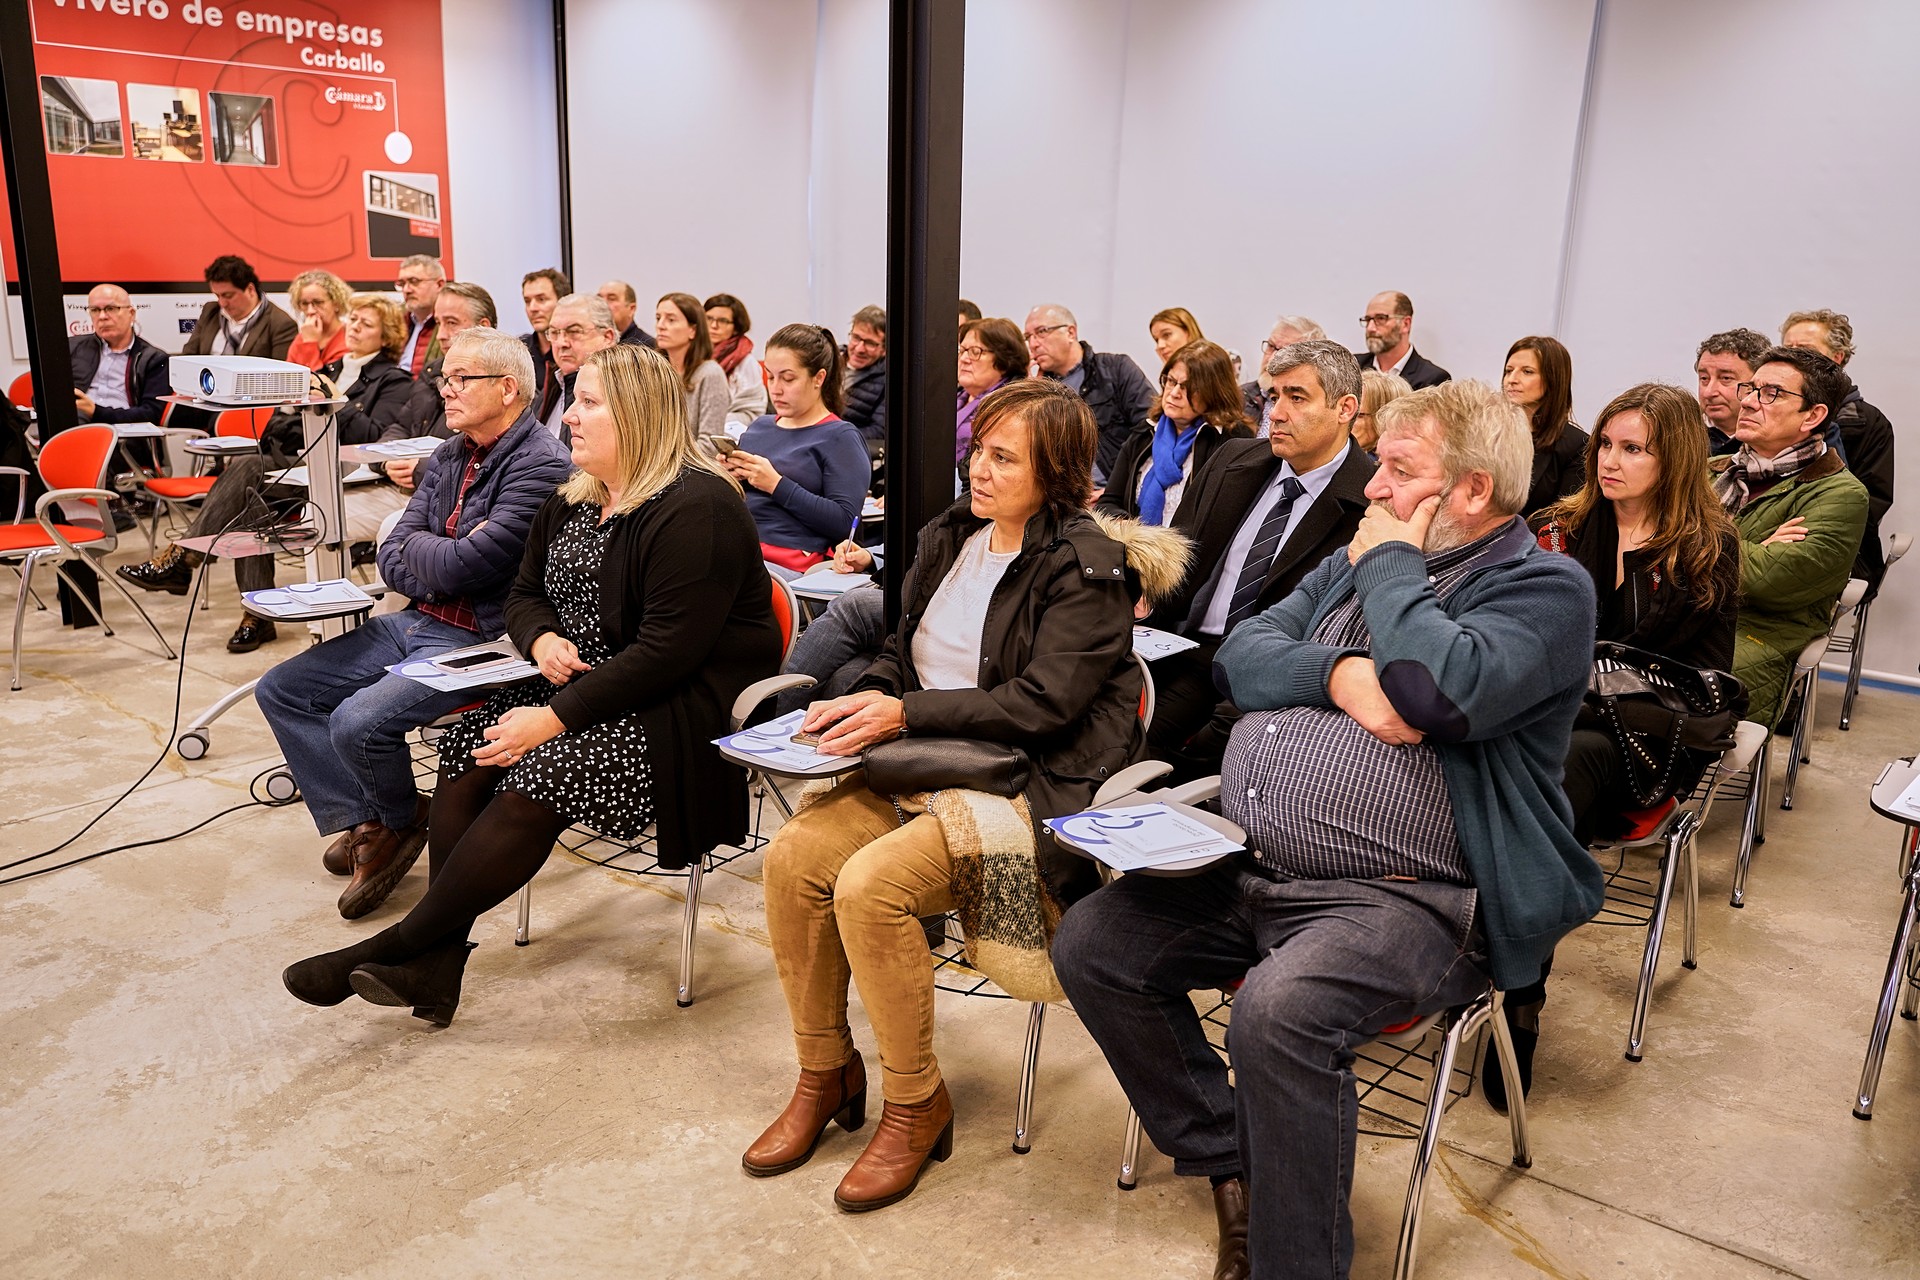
<point>805,739</point>
<point>467,660</point>
<point>722,444</point>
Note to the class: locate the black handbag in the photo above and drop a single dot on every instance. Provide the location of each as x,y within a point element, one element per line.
<point>1670,721</point>
<point>906,766</point>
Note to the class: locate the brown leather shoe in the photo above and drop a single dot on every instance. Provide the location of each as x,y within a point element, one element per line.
<point>907,1137</point>
<point>338,857</point>
<point>1230,1209</point>
<point>821,1098</point>
<point>381,856</point>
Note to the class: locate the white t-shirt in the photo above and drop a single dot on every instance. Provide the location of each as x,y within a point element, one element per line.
<point>946,647</point>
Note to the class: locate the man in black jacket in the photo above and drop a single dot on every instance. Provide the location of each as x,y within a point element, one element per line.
<point>1865,433</point>
<point>866,376</point>
<point>1262,514</point>
<point>1389,325</point>
<point>1112,384</point>
<point>1257,393</point>
<point>118,376</point>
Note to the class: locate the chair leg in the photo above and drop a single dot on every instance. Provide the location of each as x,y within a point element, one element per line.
<point>1853,667</point>
<point>1029,1066</point>
<point>1897,966</point>
<point>114,582</point>
<point>60,572</point>
<point>1802,729</point>
<point>1509,1066</point>
<point>1429,1139</point>
<point>695,870</point>
<point>1682,843</point>
<point>1765,782</point>
<point>522,931</point>
<point>1650,960</point>
<point>1130,1153</point>
<point>1749,827</point>
<point>20,615</point>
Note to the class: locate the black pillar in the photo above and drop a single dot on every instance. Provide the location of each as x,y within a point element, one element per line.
<point>563,138</point>
<point>926,63</point>
<point>31,202</point>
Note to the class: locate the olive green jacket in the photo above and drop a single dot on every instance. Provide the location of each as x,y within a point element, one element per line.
<point>1788,589</point>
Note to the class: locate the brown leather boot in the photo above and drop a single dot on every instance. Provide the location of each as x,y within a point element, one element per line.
<point>381,856</point>
<point>889,1169</point>
<point>338,856</point>
<point>1230,1209</point>
<point>821,1098</point>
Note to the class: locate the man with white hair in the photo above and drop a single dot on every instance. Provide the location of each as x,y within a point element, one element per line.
<point>1397,769</point>
<point>1111,383</point>
<point>580,325</point>
<point>340,716</point>
<point>118,376</point>
<point>1258,393</point>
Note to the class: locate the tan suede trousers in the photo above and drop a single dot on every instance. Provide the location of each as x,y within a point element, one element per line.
<point>846,885</point>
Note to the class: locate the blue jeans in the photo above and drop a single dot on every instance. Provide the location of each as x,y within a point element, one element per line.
<point>1327,964</point>
<point>342,718</point>
<point>837,647</point>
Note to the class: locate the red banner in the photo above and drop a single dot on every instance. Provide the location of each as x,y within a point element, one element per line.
<point>294,133</point>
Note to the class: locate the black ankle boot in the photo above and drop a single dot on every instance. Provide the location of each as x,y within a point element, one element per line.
<point>430,983</point>
<point>322,979</point>
<point>171,571</point>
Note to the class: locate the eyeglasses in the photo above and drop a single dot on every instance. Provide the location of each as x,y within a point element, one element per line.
<point>404,281</point>
<point>971,352</point>
<point>457,382</point>
<point>106,311</point>
<point>1173,384</point>
<point>1764,392</point>
<point>1377,318</point>
<point>572,333</point>
<point>1044,330</point>
<point>855,340</point>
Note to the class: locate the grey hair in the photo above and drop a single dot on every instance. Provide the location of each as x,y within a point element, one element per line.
<point>1475,428</point>
<point>1339,372</point>
<point>427,263</point>
<point>479,302</point>
<point>1839,330</point>
<point>1745,343</point>
<point>498,352</point>
<point>598,312</point>
<point>1056,314</point>
<point>1307,329</point>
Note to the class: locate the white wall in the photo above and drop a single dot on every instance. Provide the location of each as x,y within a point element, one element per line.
<point>503,177</point>
<point>1737,171</point>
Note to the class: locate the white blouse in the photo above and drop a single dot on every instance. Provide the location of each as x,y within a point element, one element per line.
<point>946,646</point>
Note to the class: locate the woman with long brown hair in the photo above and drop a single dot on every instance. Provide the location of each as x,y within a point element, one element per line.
<point>1665,563</point>
<point>680,329</point>
<point>1538,380</point>
<point>1199,405</point>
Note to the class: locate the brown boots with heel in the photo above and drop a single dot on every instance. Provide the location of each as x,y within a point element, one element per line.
<point>908,1137</point>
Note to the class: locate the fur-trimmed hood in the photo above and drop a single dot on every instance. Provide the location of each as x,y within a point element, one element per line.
<point>1158,557</point>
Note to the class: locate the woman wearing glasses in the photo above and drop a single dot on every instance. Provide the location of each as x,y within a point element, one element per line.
<point>642,599</point>
<point>1538,380</point>
<point>1199,405</point>
<point>992,353</point>
<point>1665,563</point>
<point>727,324</point>
<point>320,300</point>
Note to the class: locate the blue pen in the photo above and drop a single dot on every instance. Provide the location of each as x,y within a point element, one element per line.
<point>854,530</point>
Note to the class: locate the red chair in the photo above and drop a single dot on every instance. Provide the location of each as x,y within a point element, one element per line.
<point>73,465</point>
<point>21,391</point>
<point>190,490</point>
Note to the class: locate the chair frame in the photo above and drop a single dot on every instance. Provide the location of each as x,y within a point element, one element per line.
<point>1903,970</point>
<point>60,551</point>
<point>1806,681</point>
<point>1854,641</point>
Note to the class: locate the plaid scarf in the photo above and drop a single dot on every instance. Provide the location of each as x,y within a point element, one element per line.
<point>1735,487</point>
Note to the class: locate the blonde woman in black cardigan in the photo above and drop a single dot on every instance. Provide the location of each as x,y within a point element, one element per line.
<point>644,602</point>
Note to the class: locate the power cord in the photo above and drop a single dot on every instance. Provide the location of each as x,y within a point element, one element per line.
<point>258,800</point>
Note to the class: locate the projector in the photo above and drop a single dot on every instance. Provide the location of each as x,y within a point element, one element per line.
<point>239,380</point>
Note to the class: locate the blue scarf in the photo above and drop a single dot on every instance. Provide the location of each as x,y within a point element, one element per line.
<point>1171,449</point>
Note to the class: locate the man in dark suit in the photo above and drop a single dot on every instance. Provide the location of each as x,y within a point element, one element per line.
<point>239,322</point>
<point>1389,325</point>
<point>1262,514</point>
<point>1257,395</point>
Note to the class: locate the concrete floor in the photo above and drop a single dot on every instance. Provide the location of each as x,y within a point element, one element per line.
<point>166,1109</point>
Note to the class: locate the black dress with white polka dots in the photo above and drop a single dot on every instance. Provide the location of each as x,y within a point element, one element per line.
<point>598,776</point>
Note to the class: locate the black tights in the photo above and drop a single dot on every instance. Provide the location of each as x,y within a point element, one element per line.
<point>482,846</point>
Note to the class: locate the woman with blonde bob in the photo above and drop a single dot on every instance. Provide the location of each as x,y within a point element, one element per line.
<point>644,603</point>
<point>1377,391</point>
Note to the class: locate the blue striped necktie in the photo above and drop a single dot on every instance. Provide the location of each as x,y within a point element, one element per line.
<point>1266,544</point>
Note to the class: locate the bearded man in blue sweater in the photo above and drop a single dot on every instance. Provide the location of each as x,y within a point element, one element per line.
<point>1397,769</point>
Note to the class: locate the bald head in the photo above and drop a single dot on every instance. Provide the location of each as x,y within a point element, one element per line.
<point>1053,339</point>
<point>621,300</point>
<point>111,311</point>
